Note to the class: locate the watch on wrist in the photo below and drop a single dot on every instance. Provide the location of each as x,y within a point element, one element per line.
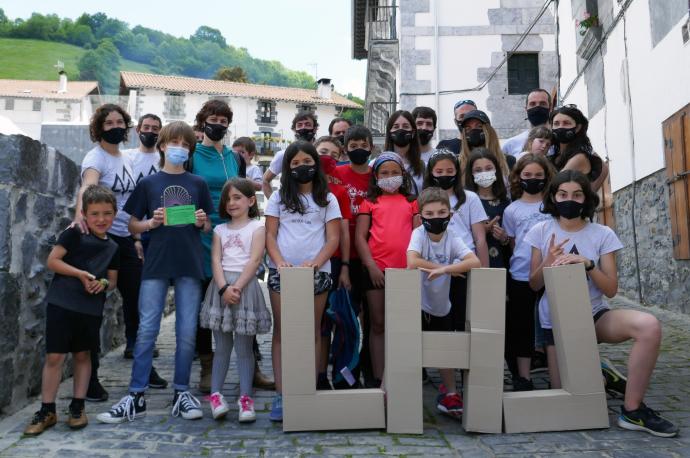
<point>589,267</point>
<point>104,282</point>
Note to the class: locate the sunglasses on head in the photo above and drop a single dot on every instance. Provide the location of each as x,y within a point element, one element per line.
<point>464,102</point>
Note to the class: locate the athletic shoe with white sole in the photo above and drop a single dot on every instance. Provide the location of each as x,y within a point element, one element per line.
<point>129,408</point>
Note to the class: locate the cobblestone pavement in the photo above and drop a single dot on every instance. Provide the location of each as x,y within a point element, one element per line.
<point>160,435</point>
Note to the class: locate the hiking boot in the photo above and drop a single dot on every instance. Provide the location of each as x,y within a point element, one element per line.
<point>645,419</point>
<point>156,381</point>
<point>129,408</point>
<point>96,392</point>
<point>77,417</point>
<point>261,381</point>
<point>41,421</point>
<point>187,406</point>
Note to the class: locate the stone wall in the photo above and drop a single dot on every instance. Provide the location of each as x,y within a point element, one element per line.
<point>38,187</point>
<point>663,281</point>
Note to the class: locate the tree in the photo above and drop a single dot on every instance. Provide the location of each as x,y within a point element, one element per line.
<point>235,74</point>
<point>206,33</point>
<point>354,115</point>
<point>101,64</point>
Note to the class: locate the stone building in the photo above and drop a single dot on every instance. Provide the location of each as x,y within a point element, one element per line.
<point>629,74</point>
<point>436,52</point>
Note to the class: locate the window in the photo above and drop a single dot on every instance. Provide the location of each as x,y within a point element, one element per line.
<point>37,105</point>
<point>266,144</point>
<point>173,107</point>
<point>266,112</point>
<point>9,104</point>
<point>677,152</point>
<point>523,73</point>
<point>306,107</point>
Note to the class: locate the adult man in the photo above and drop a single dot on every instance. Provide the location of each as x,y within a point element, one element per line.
<point>425,120</point>
<point>304,125</point>
<point>538,107</point>
<point>459,110</point>
<point>337,129</point>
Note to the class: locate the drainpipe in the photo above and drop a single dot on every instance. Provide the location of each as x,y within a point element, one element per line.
<point>436,66</point>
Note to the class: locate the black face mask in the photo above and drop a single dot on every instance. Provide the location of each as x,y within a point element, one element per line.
<point>538,115</point>
<point>114,136</point>
<point>305,134</point>
<point>402,137</point>
<point>475,137</point>
<point>341,139</point>
<point>564,135</point>
<point>435,225</point>
<point>359,156</point>
<point>444,182</point>
<point>533,185</point>
<point>303,174</point>
<point>148,139</point>
<point>569,209</point>
<point>215,132</point>
<point>425,136</point>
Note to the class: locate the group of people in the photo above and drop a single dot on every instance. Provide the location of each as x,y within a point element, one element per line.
<point>349,215</point>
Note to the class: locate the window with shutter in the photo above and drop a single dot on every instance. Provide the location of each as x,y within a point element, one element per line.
<point>523,73</point>
<point>676,131</point>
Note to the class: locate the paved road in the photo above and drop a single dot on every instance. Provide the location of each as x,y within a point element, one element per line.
<point>160,435</point>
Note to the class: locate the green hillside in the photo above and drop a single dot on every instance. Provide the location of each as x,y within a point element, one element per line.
<point>35,60</point>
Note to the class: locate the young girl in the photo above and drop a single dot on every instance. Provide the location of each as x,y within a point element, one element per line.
<point>467,221</point>
<point>401,137</point>
<point>571,238</point>
<point>234,307</point>
<point>528,182</point>
<point>302,229</point>
<point>384,227</point>
<point>484,176</point>
<point>539,141</point>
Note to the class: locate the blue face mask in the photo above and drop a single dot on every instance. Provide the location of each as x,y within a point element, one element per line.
<point>176,155</point>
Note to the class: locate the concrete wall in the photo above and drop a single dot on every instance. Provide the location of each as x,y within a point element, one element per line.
<point>37,191</point>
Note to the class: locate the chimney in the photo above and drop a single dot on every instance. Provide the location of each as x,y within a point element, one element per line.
<point>324,88</point>
<point>62,88</point>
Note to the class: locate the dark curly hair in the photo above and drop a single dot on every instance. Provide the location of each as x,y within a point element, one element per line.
<point>243,185</point>
<point>210,108</point>
<point>98,119</point>
<point>499,186</point>
<point>591,198</point>
<point>289,188</point>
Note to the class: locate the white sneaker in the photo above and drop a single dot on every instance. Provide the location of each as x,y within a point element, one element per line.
<point>186,405</point>
<point>219,408</point>
<point>247,413</point>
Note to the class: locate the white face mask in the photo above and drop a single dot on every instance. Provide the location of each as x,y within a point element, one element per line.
<point>390,184</point>
<point>485,179</point>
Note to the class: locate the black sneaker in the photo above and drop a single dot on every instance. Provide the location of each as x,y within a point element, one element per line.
<point>128,353</point>
<point>522,384</point>
<point>186,405</point>
<point>323,384</point>
<point>646,419</point>
<point>539,362</point>
<point>96,392</point>
<point>614,381</point>
<point>156,381</point>
<point>128,408</point>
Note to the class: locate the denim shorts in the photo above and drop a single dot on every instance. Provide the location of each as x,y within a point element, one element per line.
<point>322,281</point>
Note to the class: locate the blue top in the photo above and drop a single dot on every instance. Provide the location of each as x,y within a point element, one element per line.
<point>215,169</point>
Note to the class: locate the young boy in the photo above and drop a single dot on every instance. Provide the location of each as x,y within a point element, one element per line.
<point>439,256</point>
<point>245,147</point>
<point>85,266</point>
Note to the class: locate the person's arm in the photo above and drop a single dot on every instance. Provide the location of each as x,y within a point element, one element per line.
<point>416,261</point>
<point>202,221</point>
<point>266,183</point>
<point>272,223</point>
<point>344,278</point>
<point>361,232</point>
<point>469,262</point>
<point>604,276</point>
<point>598,183</point>
<point>579,162</point>
<point>479,235</point>
<point>216,264</point>
<point>332,240</point>
<point>137,226</point>
<point>89,177</point>
<point>537,264</point>
<point>57,265</point>
<point>255,256</point>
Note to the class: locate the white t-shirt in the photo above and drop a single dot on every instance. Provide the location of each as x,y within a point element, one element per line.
<point>449,250</point>
<point>143,164</point>
<point>254,173</point>
<point>515,145</point>
<point>518,218</point>
<point>301,237</point>
<point>277,162</point>
<point>592,242</point>
<point>116,175</point>
<point>427,155</point>
<point>469,213</point>
<point>236,244</point>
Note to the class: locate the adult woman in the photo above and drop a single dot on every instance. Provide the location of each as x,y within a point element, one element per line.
<point>401,137</point>
<point>477,132</point>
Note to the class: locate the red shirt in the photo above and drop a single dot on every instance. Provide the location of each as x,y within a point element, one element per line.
<point>356,186</point>
<point>344,203</point>
<point>390,230</point>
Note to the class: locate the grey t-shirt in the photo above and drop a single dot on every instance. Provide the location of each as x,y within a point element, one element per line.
<point>143,164</point>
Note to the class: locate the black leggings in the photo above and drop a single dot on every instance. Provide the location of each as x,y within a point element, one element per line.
<point>458,302</point>
<point>129,283</point>
<point>520,320</point>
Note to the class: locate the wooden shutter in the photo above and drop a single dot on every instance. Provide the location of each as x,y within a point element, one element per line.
<point>676,131</point>
<point>523,73</point>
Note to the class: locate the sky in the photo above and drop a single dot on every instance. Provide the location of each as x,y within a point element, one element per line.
<point>297,33</point>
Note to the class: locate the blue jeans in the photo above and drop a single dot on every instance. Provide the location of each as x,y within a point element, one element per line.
<point>152,297</point>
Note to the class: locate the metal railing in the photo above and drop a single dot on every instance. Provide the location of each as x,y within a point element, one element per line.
<point>377,116</point>
<point>381,23</point>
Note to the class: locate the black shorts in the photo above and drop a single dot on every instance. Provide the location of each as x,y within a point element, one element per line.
<point>70,332</point>
<point>548,333</point>
<point>322,281</point>
<point>437,323</point>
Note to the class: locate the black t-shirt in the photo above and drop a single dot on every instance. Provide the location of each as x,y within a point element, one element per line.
<point>452,144</point>
<point>173,251</point>
<point>499,255</point>
<point>85,252</point>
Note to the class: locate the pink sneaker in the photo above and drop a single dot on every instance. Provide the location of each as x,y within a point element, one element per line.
<point>219,408</point>
<point>247,413</point>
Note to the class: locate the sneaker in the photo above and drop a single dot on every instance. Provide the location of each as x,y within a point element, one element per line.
<point>186,405</point>
<point>128,408</point>
<point>276,408</point>
<point>128,353</point>
<point>323,383</point>
<point>96,392</point>
<point>219,408</point>
<point>247,413</point>
<point>41,421</point>
<point>449,403</point>
<point>522,384</point>
<point>539,362</point>
<point>646,419</point>
<point>77,417</point>
<point>614,381</point>
<point>156,381</point>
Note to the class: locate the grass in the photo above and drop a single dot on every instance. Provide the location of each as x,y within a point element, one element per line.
<point>35,60</point>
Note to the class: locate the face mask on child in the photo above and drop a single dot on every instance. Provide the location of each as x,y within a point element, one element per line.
<point>485,179</point>
<point>570,209</point>
<point>390,184</point>
<point>176,155</point>
<point>435,225</point>
<point>444,182</point>
<point>303,174</point>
